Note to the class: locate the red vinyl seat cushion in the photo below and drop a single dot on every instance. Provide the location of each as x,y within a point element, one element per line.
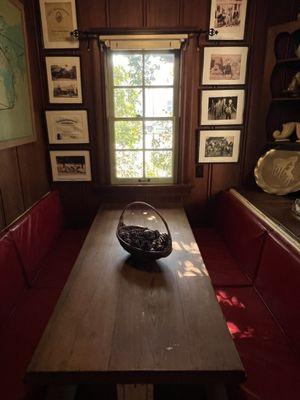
<point>22,331</point>
<point>272,367</point>
<point>12,282</point>
<point>242,232</point>
<point>19,338</point>
<point>35,234</point>
<point>59,262</point>
<point>278,281</point>
<point>35,248</point>
<point>222,267</point>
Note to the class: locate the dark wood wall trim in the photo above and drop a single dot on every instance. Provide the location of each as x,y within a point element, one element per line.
<point>281,11</point>
<point>102,139</point>
<point>107,13</point>
<point>144,5</point>
<point>20,180</point>
<point>2,213</point>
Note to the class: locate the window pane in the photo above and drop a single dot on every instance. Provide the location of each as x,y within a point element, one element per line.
<point>159,69</point>
<point>127,69</point>
<point>128,135</point>
<point>159,102</point>
<point>158,164</point>
<point>129,164</point>
<point>159,134</point>
<point>128,103</point>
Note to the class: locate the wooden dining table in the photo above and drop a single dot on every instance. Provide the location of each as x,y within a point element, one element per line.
<point>124,321</point>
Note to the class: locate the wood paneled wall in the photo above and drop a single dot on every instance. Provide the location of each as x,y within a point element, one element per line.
<point>82,199</point>
<point>23,177</point>
<point>281,11</point>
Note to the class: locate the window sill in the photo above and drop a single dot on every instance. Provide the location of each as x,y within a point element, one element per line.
<point>160,190</point>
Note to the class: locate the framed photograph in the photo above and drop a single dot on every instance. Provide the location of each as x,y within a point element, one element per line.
<point>222,107</point>
<point>58,20</point>
<point>224,65</point>
<point>70,165</point>
<point>228,18</point>
<point>67,126</point>
<point>64,79</point>
<point>219,146</point>
<point>15,86</point>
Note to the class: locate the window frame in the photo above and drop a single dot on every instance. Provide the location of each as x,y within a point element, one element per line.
<point>111,118</point>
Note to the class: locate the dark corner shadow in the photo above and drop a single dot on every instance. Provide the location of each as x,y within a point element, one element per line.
<point>137,271</point>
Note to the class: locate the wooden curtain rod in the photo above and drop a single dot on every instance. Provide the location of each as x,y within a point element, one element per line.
<point>95,33</point>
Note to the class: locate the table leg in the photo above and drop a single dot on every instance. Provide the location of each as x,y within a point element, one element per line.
<point>61,392</point>
<point>135,392</point>
<point>216,392</point>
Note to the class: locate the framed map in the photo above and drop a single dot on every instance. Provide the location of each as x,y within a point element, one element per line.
<point>16,117</point>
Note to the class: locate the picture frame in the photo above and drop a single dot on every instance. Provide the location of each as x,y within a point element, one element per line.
<point>64,79</point>
<point>228,18</point>
<point>70,165</point>
<point>58,21</point>
<point>222,107</point>
<point>220,146</point>
<point>224,65</point>
<point>67,126</point>
<point>16,101</point>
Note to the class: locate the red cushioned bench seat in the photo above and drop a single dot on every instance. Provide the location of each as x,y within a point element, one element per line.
<point>231,249</point>
<point>18,339</point>
<point>278,282</point>
<point>57,265</point>
<point>222,266</point>
<point>12,281</point>
<point>255,269</point>
<point>36,257</point>
<point>272,367</point>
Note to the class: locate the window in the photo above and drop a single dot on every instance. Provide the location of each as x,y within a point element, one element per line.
<point>143,116</point>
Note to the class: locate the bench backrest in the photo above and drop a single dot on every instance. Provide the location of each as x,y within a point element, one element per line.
<point>12,282</point>
<point>242,231</point>
<point>36,232</point>
<point>278,281</point>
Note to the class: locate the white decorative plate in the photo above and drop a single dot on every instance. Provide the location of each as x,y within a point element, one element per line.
<point>278,171</point>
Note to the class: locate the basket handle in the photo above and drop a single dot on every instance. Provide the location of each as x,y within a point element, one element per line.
<point>147,205</point>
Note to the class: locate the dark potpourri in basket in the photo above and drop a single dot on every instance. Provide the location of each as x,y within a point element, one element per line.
<point>142,242</point>
<point>144,238</point>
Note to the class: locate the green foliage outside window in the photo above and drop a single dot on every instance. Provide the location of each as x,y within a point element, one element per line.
<point>133,133</point>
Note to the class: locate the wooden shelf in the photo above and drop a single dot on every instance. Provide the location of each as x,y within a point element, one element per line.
<point>291,99</point>
<point>284,145</point>
<point>278,105</point>
<point>289,60</point>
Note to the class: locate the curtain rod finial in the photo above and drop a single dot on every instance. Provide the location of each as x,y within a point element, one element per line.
<point>75,33</point>
<point>212,32</point>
